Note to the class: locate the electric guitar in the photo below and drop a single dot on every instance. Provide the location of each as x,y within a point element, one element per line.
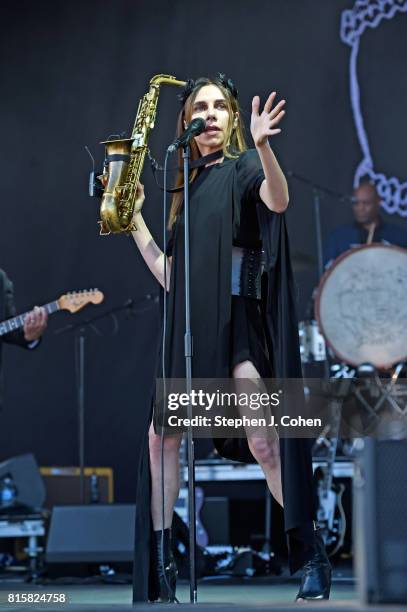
<point>72,301</point>
<point>330,513</point>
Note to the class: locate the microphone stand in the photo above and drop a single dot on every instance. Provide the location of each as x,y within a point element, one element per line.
<point>80,352</point>
<point>317,191</point>
<point>188,371</point>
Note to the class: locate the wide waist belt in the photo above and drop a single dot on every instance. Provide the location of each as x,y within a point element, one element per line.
<point>247,268</point>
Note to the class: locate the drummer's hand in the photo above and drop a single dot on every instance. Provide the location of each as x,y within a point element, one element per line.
<point>140,197</point>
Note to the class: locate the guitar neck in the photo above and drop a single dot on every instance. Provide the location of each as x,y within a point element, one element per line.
<point>16,322</point>
<point>328,478</point>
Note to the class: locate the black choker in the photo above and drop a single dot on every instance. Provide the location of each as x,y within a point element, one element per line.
<point>197,163</point>
<point>205,159</point>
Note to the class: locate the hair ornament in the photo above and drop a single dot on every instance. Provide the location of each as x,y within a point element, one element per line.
<point>186,91</point>
<point>191,84</point>
<point>227,84</point>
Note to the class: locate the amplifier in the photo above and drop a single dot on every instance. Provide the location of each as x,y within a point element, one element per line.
<point>380,525</point>
<point>62,485</point>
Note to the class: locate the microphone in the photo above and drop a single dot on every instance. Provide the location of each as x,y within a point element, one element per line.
<point>196,127</point>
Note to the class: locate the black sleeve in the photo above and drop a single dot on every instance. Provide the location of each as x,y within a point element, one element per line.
<point>250,176</point>
<point>14,337</point>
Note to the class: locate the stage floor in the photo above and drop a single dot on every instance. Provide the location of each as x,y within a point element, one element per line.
<point>258,593</point>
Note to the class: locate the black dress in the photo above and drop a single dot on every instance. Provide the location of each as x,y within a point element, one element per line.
<point>225,210</point>
<point>226,329</point>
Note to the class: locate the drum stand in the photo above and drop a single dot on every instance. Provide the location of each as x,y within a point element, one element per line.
<point>382,395</point>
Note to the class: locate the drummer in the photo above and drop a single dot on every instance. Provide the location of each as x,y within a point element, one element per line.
<point>368,225</point>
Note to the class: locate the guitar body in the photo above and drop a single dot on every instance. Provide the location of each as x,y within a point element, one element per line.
<point>330,514</point>
<point>181,508</point>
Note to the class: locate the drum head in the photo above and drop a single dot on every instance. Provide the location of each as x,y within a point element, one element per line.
<point>361,306</point>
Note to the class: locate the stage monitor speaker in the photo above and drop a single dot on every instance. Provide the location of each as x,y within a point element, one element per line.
<point>91,534</point>
<point>380,521</point>
<point>26,481</point>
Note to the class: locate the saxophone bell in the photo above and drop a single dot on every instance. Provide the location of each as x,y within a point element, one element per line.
<point>115,172</point>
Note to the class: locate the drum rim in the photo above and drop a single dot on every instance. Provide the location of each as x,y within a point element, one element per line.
<point>320,288</point>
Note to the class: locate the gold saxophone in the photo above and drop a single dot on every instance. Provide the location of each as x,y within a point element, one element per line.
<point>125,160</point>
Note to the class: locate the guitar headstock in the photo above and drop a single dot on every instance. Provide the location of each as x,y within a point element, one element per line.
<point>75,300</point>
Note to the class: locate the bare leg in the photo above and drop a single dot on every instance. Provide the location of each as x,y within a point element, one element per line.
<point>171,477</point>
<point>266,450</point>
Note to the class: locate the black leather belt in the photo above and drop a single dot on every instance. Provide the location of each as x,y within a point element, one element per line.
<point>247,268</point>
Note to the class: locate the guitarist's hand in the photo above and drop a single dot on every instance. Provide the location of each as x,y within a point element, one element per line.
<point>35,324</point>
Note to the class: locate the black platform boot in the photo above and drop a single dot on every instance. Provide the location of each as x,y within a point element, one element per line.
<point>164,569</point>
<point>317,573</point>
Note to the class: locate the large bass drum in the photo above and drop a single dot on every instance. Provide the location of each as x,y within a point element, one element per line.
<point>361,306</point>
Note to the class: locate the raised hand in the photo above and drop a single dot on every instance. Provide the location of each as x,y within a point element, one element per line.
<point>263,125</point>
